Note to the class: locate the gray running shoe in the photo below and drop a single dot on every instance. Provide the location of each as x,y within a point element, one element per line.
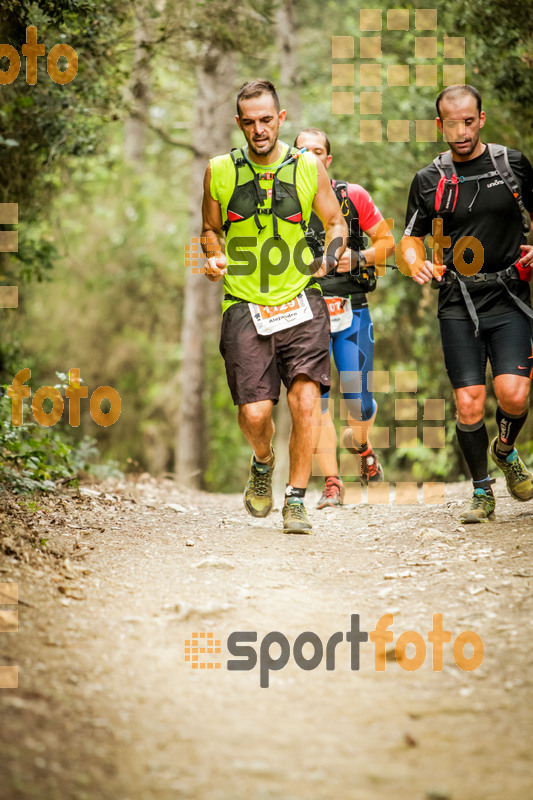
<point>295,517</point>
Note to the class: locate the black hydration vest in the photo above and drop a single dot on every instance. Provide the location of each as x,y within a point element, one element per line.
<point>445,202</point>
<point>364,277</point>
<point>315,233</point>
<point>248,196</point>
<point>449,183</point>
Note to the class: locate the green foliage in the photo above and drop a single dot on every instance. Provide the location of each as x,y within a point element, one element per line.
<point>103,247</point>
<point>48,121</point>
<point>499,39</point>
<point>34,458</point>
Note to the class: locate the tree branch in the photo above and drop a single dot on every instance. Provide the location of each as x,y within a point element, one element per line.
<point>164,135</point>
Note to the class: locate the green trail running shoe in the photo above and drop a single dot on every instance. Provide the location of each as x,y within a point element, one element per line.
<point>295,517</point>
<point>258,500</point>
<point>481,507</point>
<point>519,480</point>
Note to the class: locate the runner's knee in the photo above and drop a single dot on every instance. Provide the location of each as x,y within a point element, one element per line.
<point>512,393</point>
<point>470,401</point>
<point>303,396</point>
<point>254,415</point>
<point>515,404</point>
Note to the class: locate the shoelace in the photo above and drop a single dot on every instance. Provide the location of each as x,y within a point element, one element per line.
<point>261,482</point>
<point>480,500</point>
<point>518,469</point>
<point>371,464</point>
<point>297,509</point>
<point>331,487</point>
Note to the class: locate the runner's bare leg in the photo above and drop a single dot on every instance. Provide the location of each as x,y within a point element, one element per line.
<point>255,421</point>
<point>326,449</point>
<point>361,429</point>
<point>304,399</point>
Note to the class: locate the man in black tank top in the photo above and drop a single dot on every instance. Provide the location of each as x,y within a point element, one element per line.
<point>473,201</point>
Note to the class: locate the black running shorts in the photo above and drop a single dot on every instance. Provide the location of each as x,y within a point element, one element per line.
<point>256,365</point>
<point>505,339</point>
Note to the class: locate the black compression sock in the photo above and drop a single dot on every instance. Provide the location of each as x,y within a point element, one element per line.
<point>474,441</point>
<point>508,429</point>
<point>294,491</point>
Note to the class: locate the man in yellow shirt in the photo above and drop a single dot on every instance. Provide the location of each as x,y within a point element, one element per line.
<point>275,327</point>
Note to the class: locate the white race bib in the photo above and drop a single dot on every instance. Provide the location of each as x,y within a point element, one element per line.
<point>340,313</point>
<point>269,319</point>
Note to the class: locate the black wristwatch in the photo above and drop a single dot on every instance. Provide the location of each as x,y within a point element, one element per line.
<point>361,263</point>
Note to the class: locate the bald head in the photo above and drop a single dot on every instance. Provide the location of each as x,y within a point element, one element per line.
<point>457,92</point>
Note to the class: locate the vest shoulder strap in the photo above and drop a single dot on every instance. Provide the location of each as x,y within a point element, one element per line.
<point>350,214</point>
<point>339,185</point>
<point>238,160</point>
<point>446,167</point>
<point>341,191</point>
<point>500,160</point>
<point>444,164</point>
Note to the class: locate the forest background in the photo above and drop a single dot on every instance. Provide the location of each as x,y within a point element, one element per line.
<point>107,174</point>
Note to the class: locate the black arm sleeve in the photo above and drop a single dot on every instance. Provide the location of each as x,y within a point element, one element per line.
<point>527,183</point>
<point>417,220</point>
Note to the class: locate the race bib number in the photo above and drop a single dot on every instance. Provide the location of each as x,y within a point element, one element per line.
<point>340,313</point>
<point>269,319</point>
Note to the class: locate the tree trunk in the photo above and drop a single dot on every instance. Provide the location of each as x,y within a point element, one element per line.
<point>213,123</point>
<point>139,91</point>
<point>287,40</point>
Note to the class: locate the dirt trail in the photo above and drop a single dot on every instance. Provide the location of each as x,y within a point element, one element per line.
<point>107,707</point>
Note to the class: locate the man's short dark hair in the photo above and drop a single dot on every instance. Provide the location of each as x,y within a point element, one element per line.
<point>256,89</point>
<point>458,90</point>
<point>320,133</point>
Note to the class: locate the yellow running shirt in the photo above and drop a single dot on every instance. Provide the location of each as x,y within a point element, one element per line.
<point>254,257</point>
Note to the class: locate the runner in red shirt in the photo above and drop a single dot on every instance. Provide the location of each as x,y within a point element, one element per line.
<point>352,339</point>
